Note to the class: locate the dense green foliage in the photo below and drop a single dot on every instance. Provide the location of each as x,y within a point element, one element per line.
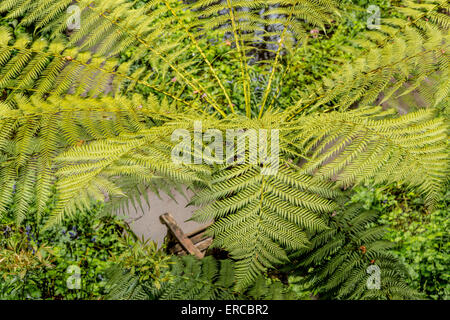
<point>193,279</point>
<point>87,242</point>
<point>41,264</point>
<point>421,236</point>
<point>342,257</point>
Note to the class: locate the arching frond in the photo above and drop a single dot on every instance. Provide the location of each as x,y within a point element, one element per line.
<point>352,261</point>
<point>192,279</point>
<point>351,147</point>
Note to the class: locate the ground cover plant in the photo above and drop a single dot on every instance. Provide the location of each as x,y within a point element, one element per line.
<point>69,261</point>
<point>94,112</point>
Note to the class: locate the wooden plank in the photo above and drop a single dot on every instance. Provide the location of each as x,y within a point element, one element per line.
<point>196,240</point>
<point>185,242</point>
<point>202,246</point>
<point>199,237</point>
<point>199,230</point>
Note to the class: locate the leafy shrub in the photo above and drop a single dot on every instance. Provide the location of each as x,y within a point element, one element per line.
<point>38,264</point>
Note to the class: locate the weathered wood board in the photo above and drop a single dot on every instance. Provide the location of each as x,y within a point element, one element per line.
<point>195,243</point>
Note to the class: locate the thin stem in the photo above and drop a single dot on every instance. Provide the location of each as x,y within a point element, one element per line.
<point>242,60</point>
<point>274,66</point>
<point>197,87</point>
<point>230,104</point>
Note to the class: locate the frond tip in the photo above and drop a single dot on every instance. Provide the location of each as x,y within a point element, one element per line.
<point>353,146</point>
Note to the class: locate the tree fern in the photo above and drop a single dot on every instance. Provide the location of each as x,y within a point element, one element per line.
<point>254,215</point>
<point>70,115</point>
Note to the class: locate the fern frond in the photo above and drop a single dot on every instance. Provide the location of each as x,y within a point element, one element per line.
<point>411,48</point>
<point>35,132</point>
<point>192,279</point>
<point>356,146</point>
<point>256,215</point>
<point>342,257</point>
